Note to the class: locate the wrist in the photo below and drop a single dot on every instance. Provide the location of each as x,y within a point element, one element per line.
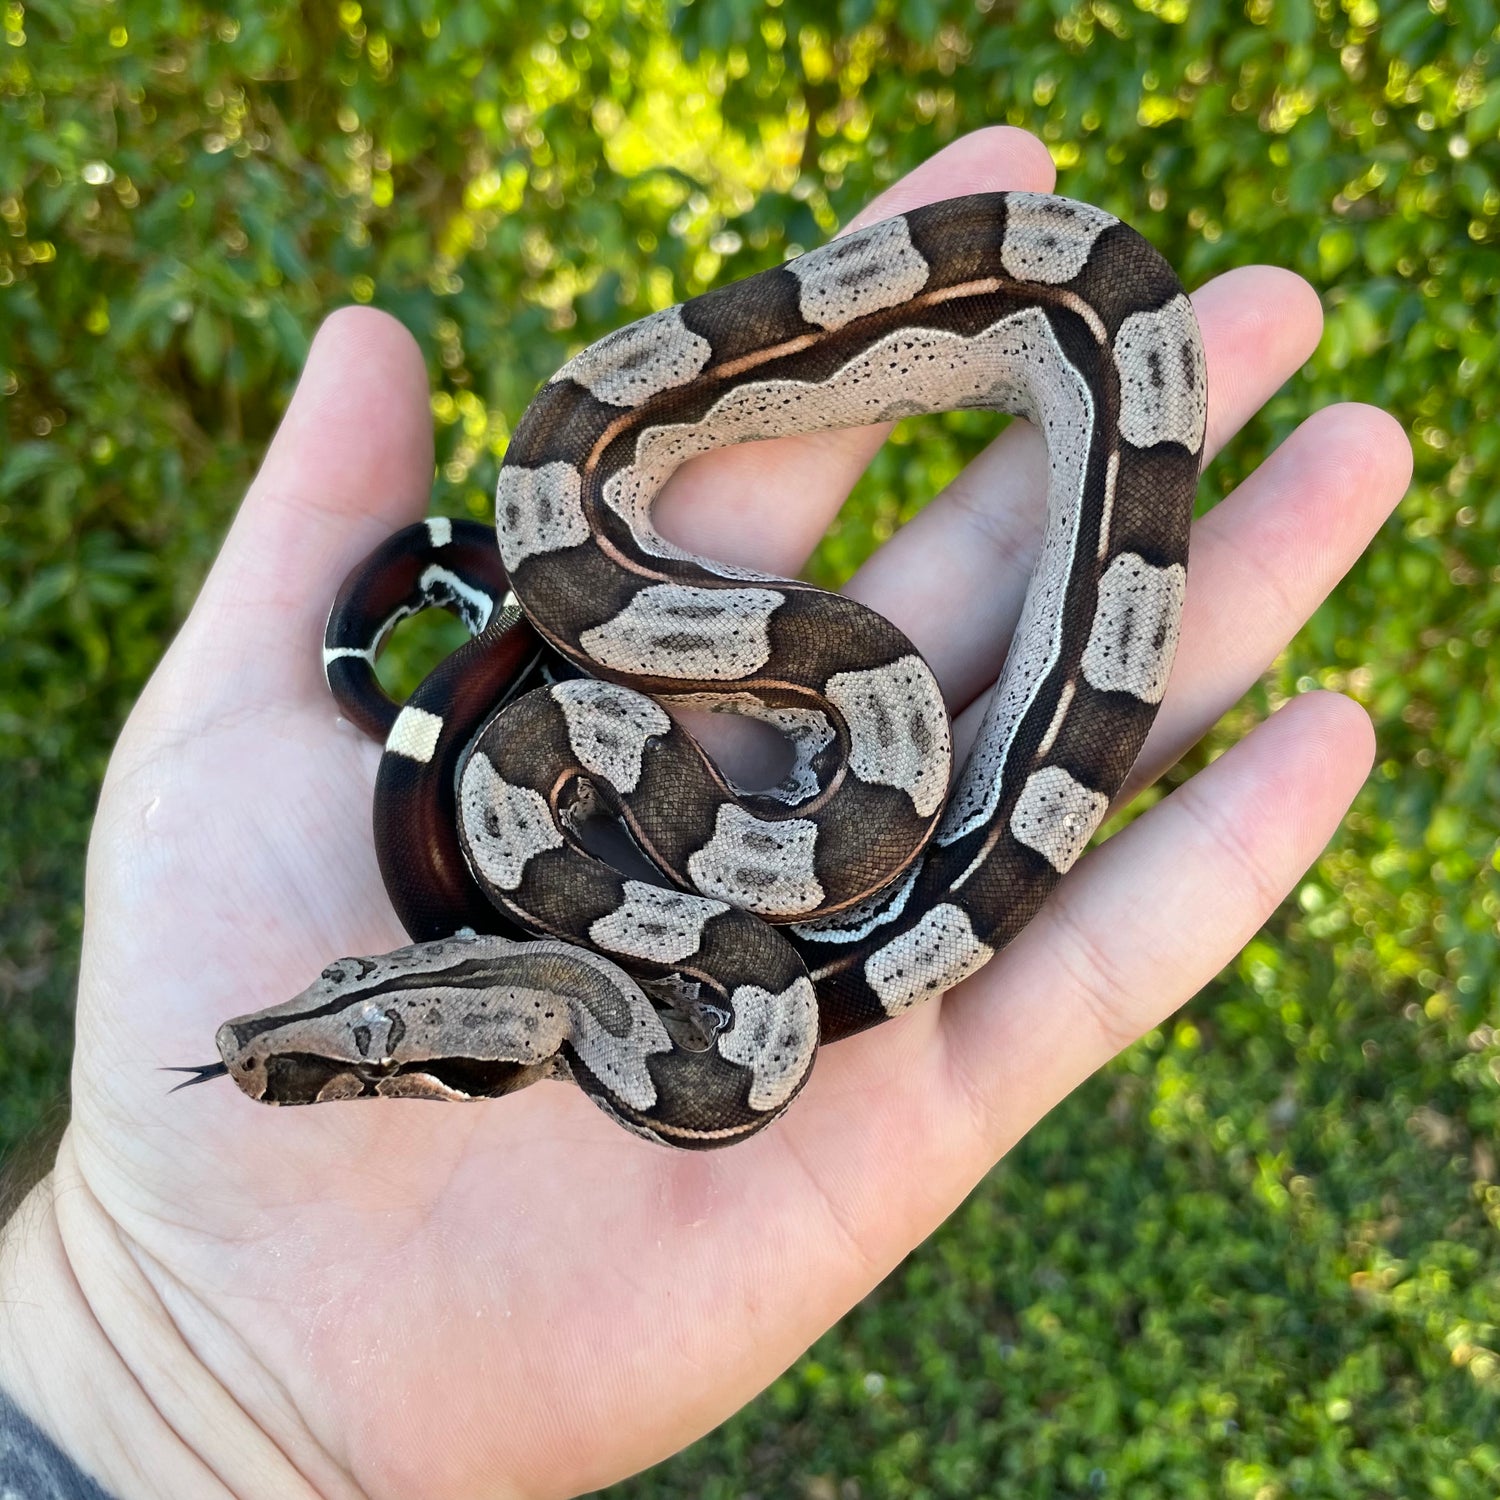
<point>90,1356</point>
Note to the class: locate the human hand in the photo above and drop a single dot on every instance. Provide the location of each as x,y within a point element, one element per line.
<point>519,1298</point>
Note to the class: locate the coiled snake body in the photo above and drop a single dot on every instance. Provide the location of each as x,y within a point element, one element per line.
<point>689,1003</point>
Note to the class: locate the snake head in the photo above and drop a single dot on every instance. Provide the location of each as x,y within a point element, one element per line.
<point>432,1021</point>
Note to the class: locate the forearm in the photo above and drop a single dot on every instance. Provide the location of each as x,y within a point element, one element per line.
<point>90,1357</point>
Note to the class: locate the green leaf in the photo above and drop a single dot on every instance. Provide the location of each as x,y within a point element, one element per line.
<point>26,462</point>
<point>206,340</point>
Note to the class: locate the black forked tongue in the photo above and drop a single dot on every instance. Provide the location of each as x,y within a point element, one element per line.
<point>201,1074</point>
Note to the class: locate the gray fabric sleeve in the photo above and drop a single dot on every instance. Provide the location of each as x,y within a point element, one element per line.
<point>33,1467</point>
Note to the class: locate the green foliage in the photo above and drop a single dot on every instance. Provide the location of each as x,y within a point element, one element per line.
<point>1259,1256</point>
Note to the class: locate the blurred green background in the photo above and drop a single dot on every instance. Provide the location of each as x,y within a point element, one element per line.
<point>1257,1257</point>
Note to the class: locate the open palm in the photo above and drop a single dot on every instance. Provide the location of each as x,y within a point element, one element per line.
<point>397,1298</point>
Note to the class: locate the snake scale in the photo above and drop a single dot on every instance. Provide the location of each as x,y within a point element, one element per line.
<point>687,997</point>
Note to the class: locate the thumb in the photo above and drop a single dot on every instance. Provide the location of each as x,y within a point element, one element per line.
<point>350,463</point>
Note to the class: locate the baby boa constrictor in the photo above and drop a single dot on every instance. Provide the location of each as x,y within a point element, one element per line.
<point>669,997</point>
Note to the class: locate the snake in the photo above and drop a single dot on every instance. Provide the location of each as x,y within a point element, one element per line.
<point>685,980</point>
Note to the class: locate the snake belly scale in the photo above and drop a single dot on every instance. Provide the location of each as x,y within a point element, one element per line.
<point>687,993</point>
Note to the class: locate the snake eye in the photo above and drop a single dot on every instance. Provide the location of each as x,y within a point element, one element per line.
<point>334,973</point>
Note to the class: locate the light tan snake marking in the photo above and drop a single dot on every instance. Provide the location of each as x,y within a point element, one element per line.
<point>688,999</point>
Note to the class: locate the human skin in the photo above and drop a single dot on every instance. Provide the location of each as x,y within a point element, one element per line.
<point>207,1297</point>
